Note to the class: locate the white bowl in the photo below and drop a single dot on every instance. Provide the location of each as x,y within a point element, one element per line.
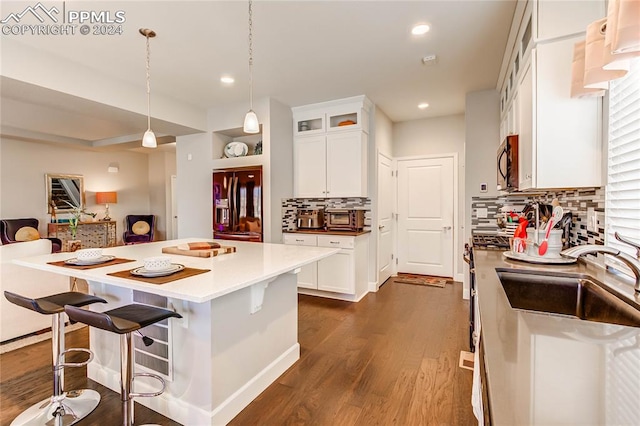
<point>89,254</point>
<point>157,263</point>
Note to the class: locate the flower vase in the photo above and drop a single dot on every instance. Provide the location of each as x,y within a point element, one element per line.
<point>73,245</point>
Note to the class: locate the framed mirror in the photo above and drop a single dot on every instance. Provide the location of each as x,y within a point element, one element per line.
<point>64,192</point>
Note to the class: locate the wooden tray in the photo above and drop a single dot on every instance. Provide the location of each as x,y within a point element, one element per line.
<point>199,253</point>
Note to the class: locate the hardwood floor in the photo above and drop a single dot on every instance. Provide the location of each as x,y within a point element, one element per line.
<point>390,359</point>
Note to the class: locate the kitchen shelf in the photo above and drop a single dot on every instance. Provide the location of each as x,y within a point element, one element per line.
<point>222,138</point>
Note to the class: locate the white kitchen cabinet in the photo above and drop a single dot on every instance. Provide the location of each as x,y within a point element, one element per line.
<point>310,166</point>
<point>347,164</point>
<point>342,275</point>
<point>308,275</point>
<point>560,137</point>
<point>333,165</point>
<point>330,150</point>
<point>337,273</point>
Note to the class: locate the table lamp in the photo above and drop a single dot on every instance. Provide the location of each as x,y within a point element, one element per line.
<point>106,198</point>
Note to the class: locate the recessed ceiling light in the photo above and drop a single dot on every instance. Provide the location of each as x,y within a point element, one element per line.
<point>227,79</point>
<point>423,105</point>
<point>420,29</point>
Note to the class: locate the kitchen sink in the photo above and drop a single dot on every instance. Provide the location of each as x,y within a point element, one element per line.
<point>575,295</point>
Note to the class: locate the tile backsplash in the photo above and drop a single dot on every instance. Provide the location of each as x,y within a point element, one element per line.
<point>577,201</point>
<point>290,208</point>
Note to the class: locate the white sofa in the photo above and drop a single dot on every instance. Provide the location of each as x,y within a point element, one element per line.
<point>14,320</point>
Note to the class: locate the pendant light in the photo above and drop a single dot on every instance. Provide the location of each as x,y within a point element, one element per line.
<point>149,138</point>
<point>251,124</point>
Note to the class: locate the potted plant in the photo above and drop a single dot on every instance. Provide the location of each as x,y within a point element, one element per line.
<point>73,244</point>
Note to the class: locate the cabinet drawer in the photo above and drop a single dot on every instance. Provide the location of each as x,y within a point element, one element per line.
<point>336,241</point>
<point>300,239</point>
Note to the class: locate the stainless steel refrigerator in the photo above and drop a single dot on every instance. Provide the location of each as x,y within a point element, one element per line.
<point>237,204</point>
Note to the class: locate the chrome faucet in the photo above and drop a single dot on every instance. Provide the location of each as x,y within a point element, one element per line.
<point>632,262</point>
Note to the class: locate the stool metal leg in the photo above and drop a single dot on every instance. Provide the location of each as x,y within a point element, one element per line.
<point>61,409</point>
<point>126,378</point>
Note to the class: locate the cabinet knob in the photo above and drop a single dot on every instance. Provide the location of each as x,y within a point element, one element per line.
<point>380,226</point>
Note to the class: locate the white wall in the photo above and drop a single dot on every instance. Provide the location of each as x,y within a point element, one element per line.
<point>162,165</point>
<point>482,122</point>
<point>23,166</point>
<point>194,176</point>
<point>383,133</point>
<point>432,136</point>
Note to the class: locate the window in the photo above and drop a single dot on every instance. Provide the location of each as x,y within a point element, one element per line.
<point>622,207</point>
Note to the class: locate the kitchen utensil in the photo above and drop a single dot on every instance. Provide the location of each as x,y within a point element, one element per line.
<point>557,214</point>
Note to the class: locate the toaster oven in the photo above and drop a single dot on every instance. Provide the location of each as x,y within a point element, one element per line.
<point>345,220</point>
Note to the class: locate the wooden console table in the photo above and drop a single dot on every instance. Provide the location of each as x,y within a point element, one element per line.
<point>92,234</point>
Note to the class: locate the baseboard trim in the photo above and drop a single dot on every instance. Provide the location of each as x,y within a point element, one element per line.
<point>189,414</point>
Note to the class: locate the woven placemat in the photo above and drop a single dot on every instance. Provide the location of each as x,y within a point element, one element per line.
<point>98,265</point>
<point>185,273</point>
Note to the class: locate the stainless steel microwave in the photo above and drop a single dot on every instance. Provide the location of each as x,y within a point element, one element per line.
<point>507,159</point>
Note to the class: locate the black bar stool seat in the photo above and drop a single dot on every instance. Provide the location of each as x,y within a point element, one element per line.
<point>62,408</point>
<point>53,304</point>
<point>124,321</point>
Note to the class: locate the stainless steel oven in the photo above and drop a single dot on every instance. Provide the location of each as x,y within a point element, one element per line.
<point>344,219</point>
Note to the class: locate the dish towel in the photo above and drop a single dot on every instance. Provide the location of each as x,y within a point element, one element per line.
<point>476,387</point>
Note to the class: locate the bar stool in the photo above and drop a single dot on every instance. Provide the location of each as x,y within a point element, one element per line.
<point>124,321</point>
<point>64,408</point>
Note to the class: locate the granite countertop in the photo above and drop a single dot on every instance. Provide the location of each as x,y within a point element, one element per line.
<point>326,232</point>
<point>250,264</point>
<point>546,369</point>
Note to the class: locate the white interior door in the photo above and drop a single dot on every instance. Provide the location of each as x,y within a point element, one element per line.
<point>174,210</point>
<point>386,202</point>
<point>425,216</point>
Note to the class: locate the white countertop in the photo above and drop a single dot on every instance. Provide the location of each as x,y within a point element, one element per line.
<point>250,264</point>
<point>545,369</point>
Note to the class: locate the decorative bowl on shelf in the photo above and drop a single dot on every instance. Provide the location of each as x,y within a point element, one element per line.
<point>346,123</point>
<point>236,149</point>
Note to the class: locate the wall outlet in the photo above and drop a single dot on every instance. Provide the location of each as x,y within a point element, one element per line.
<point>482,213</point>
<point>483,187</point>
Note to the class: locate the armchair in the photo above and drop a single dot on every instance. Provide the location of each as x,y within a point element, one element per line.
<point>136,231</point>
<point>9,228</point>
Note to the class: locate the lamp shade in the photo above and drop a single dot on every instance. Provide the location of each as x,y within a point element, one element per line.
<point>595,76</point>
<point>106,197</point>
<point>577,75</point>
<point>149,139</point>
<point>623,22</point>
<point>251,124</point>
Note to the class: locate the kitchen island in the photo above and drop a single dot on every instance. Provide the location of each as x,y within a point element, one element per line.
<point>546,369</point>
<point>237,335</point>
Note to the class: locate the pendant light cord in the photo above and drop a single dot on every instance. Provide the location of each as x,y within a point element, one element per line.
<point>148,85</point>
<point>250,56</point>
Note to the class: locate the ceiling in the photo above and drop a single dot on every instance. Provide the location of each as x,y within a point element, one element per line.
<point>304,52</point>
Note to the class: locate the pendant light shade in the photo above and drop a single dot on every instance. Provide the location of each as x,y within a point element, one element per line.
<point>149,138</point>
<point>251,124</point>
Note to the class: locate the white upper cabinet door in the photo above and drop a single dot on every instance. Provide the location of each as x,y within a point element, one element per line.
<point>525,128</point>
<point>347,164</point>
<point>309,167</point>
<point>567,130</point>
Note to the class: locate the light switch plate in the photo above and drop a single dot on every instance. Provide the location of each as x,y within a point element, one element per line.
<point>592,220</point>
